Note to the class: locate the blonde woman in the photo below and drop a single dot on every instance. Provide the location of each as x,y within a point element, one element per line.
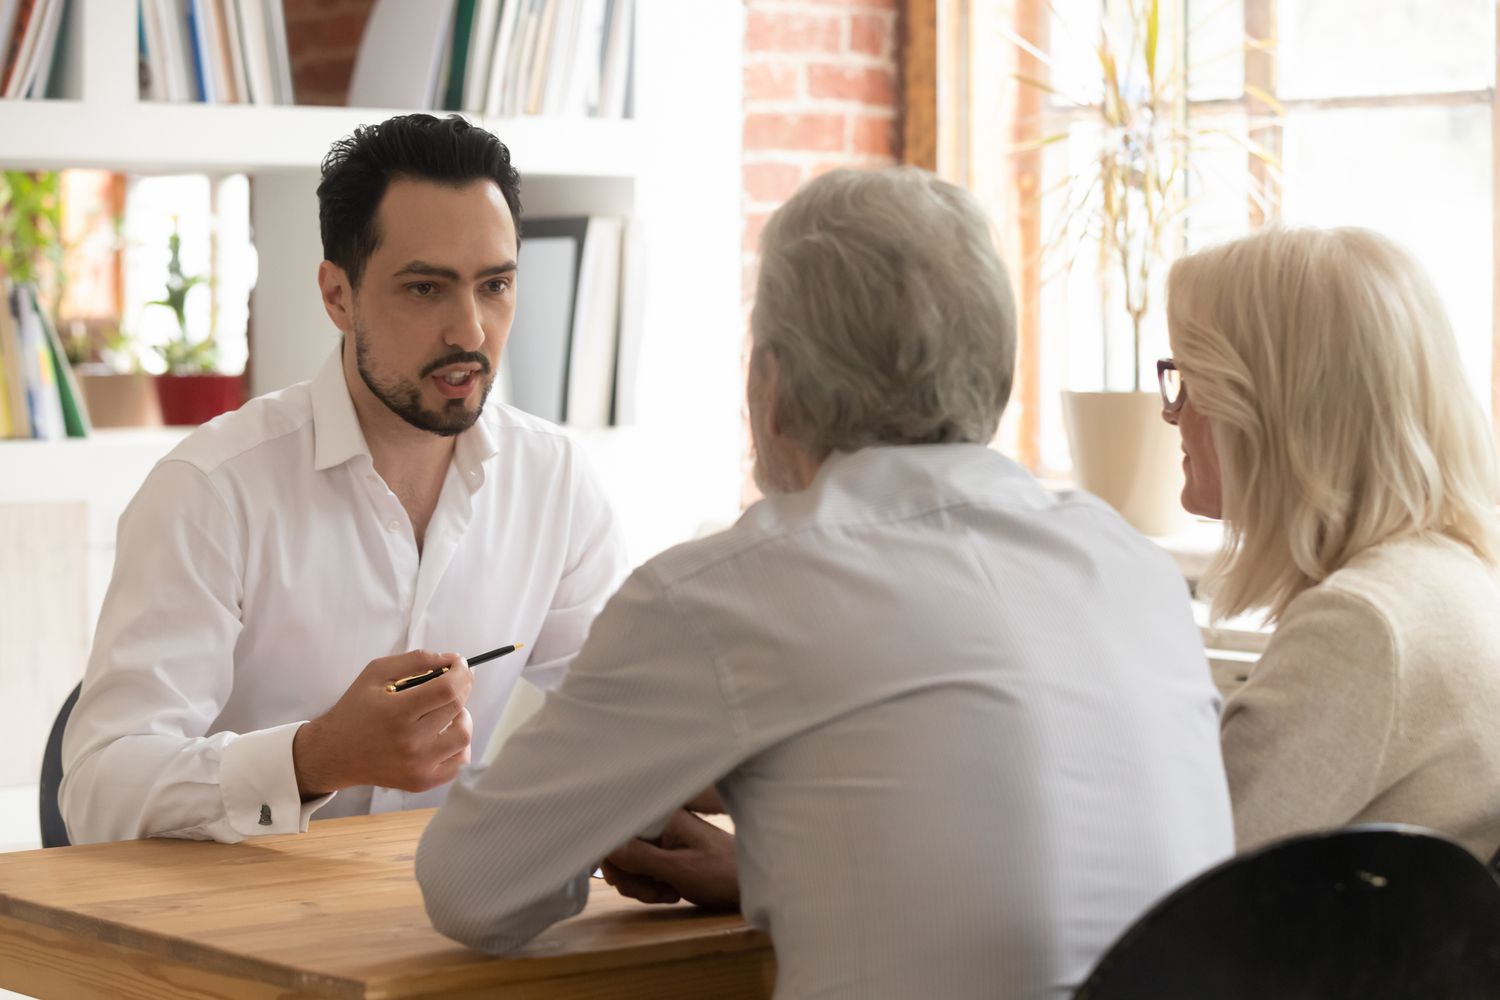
<point>1325,418</point>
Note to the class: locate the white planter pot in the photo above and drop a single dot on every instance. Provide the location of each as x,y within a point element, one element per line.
<point>1128,456</point>
<point>120,400</point>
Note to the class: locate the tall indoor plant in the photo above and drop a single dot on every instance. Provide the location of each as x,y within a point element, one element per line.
<point>1130,201</point>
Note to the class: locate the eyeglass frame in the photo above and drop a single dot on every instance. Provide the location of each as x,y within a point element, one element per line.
<point>1168,404</point>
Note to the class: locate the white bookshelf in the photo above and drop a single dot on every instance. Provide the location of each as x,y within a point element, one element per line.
<point>674,170</point>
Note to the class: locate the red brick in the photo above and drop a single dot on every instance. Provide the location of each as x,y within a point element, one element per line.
<point>754,223</point>
<point>819,169</point>
<point>873,136</point>
<point>841,83</point>
<point>345,30</point>
<point>806,132</point>
<point>773,182</point>
<point>779,31</point>
<point>871,34</point>
<point>771,82</point>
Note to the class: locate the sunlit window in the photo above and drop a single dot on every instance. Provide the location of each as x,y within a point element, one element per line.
<point>1380,116</point>
<point>212,217</point>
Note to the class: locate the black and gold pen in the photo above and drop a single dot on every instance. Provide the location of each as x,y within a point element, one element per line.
<point>474,661</point>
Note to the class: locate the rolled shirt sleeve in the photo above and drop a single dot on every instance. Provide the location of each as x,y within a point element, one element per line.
<point>640,724</point>
<point>137,759</point>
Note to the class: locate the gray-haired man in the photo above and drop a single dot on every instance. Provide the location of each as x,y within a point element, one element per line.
<point>964,727</point>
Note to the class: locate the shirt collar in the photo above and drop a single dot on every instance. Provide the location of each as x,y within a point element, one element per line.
<point>474,447</point>
<point>338,437</point>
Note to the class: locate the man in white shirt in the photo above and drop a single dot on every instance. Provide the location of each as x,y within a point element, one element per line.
<point>286,562</point>
<point>964,726</point>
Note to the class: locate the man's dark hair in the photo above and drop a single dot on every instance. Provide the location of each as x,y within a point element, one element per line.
<point>358,169</point>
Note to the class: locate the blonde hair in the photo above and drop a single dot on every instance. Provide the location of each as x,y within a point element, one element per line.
<point>1328,371</point>
<point>888,311</point>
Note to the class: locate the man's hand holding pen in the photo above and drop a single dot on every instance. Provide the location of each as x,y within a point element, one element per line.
<point>413,739</point>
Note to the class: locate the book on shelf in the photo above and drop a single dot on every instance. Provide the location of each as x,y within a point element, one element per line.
<point>40,394</point>
<point>14,421</point>
<point>482,39</point>
<point>560,362</point>
<point>458,55</point>
<point>30,34</point>
<point>214,51</point>
<point>498,58</point>
<point>75,410</point>
<point>400,54</point>
<point>53,408</point>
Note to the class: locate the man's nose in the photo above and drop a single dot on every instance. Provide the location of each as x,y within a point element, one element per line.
<point>466,331</point>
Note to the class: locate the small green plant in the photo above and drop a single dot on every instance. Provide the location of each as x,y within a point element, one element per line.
<point>31,243</point>
<point>182,354</point>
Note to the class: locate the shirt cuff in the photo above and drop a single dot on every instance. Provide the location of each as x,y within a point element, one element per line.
<point>259,784</point>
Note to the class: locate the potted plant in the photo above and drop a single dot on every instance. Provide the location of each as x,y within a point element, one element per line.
<point>190,390</point>
<point>1131,200</point>
<point>119,392</point>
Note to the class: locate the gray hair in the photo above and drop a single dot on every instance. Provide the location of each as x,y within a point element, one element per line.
<point>888,311</point>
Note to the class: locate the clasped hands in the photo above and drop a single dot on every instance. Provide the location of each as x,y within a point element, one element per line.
<point>692,859</point>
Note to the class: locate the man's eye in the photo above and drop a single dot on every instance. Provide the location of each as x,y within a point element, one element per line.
<point>422,289</point>
<point>498,286</point>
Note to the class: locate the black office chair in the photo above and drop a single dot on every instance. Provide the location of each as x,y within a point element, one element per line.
<point>1366,913</point>
<point>54,831</point>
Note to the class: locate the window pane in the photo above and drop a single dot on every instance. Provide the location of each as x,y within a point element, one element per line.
<point>1420,176</point>
<point>1215,49</point>
<point>1219,180</point>
<point>1353,47</point>
<point>212,216</point>
<point>1074,32</point>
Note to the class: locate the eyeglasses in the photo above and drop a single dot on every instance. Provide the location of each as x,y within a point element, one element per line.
<point>1173,392</point>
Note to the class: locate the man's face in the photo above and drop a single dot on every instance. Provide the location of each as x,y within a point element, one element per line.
<point>436,301</point>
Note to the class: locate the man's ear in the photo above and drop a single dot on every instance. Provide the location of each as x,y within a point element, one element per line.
<point>338,295</point>
<point>768,387</point>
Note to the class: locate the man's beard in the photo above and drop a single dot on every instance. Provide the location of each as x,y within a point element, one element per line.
<point>403,397</point>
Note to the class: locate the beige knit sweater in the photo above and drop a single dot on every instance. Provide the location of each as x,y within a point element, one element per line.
<point>1376,701</point>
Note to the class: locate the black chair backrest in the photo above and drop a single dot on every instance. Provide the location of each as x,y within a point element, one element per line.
<point>1366,913</point>
<point>54,831</point>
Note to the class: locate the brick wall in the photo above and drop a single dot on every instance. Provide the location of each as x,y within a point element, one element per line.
<point>323,37</point>
<point>820,92</point>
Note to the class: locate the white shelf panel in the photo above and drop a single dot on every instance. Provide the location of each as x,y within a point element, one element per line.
<point>150,137</point>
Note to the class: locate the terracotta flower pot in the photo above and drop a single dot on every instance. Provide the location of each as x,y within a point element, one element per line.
<point>1127,456</point>
<point>188,400</point>
<point>120,399</point>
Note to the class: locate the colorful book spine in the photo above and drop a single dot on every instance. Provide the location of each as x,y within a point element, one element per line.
<point>43,401</point>
<point>70,395</point>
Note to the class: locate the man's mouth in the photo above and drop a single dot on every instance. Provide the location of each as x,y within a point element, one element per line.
<point>456,383</point>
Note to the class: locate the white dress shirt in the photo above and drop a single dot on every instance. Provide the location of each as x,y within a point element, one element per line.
<point>965,728</point>
<point>264,563</point>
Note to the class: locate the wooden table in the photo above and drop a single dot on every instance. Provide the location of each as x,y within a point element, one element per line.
<point>334,912</point>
